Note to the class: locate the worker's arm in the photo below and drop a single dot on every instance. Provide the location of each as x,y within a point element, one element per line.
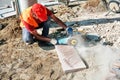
<point>34,33</point>
<point>39,37</point>
<point>62,24</point>
<point>56,19</point>
<point>69,30</point>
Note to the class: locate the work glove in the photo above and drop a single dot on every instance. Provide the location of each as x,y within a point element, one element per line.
<point>69,31</point>
<point>53,41</point>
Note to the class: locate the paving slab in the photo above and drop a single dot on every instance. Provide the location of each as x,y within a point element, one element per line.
<point>69,58</point>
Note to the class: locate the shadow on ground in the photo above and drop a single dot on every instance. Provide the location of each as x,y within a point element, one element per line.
<point>93,21</point>
<point>46,45</point>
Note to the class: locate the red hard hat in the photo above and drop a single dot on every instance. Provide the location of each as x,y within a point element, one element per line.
<point>40,11</point>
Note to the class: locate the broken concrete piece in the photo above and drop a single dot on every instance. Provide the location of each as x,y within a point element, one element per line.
<point>69,58</point>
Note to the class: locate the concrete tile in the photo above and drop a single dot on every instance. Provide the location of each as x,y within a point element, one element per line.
<point>69,58</point>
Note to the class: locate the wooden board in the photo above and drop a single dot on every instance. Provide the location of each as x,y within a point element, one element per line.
<point>69,58</point>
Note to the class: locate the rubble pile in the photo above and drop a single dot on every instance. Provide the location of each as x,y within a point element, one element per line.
<point>11,28</point>
<point>64,13</point>
<point>109,32</point>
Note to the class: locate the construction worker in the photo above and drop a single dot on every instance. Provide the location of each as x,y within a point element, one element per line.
<point>38,16</point>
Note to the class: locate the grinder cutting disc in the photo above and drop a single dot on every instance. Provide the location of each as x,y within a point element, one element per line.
<point>72,41</point>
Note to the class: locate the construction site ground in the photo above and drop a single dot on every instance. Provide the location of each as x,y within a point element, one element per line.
<point>19,61</point>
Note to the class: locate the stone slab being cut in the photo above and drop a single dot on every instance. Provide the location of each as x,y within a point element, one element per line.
<point>69,58</point>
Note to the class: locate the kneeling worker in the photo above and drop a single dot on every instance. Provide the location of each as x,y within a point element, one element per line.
<point>38,16</point>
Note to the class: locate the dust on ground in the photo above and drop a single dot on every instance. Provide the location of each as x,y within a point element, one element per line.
<point>31,62</point>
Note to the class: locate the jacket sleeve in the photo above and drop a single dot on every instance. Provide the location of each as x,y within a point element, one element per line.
<point>49,12</point>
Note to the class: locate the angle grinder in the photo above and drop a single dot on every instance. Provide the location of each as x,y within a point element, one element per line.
<point>73,40</point>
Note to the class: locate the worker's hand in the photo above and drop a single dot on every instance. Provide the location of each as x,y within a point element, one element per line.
<point>53,41</point>
<point>69,30</point>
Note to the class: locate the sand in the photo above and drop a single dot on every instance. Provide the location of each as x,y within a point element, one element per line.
<point>33,62</point>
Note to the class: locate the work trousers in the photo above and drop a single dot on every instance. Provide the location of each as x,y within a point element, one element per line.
<point>27,37</point>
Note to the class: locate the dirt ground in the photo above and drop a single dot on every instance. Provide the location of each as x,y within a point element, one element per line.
<point>19,61</point>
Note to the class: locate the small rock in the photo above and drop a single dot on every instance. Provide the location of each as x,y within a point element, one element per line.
<point>93,37</point>
<point>25,76</point>
<point>1,26</point>
<point>2,41</point>
<point>108,43</point>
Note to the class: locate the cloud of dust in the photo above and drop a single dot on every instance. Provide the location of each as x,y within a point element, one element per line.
<point>98,58</point>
